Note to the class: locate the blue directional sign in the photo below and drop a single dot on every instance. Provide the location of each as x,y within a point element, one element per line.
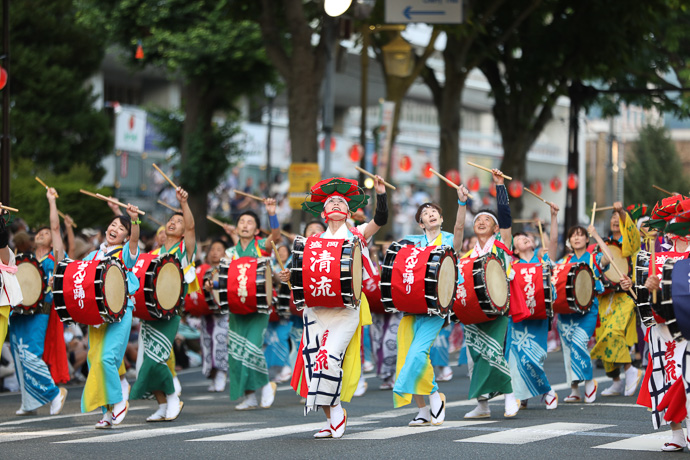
<point>429,11</point>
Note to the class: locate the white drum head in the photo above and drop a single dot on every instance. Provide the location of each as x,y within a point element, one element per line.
<point>357,271</point>
<point>620,261</point>
<point>446,282</point>
<point>114,288</point>
<point>496,282</point>
<point>30,281</point>
<point>584,287</point>
<point>168,286</point>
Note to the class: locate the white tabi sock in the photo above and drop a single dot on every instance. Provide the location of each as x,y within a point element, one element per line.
<point>337,413</point>
<point>435,402</point>
<point>576,391</point>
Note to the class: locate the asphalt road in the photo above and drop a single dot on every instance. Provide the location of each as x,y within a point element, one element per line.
<point>208,428</point>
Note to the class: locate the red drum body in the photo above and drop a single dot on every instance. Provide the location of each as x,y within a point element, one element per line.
<point>203,303</point>
<point>372,289</point>
<point>574,288</point>
<point>246,285</point>
<point>32,280</point>
<point>610,277</point>
<point>326,272</point>
<point>90,292</point>
<point>535,281</point>
<point>418,280</point>
<point>485,294</point>
<point>161,287</point>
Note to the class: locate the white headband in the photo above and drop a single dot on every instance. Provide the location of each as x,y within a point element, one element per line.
<point>484,213</point>
<point>336,197</point>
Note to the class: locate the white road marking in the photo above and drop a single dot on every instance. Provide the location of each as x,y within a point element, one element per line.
<point>24,435</point>
<point>144,434</point>
<point>649,442</point>
<point>264,433</point>
<point>533,433</point>
<point>30,419</point>
<point>398,431</point>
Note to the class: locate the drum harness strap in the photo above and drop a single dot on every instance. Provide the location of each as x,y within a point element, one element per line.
<point>40,262</point>
<point>259,251</point>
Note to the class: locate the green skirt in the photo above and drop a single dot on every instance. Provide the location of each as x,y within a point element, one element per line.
<point>154,374</point>
<point>490,374</point>
<point>246,362</point>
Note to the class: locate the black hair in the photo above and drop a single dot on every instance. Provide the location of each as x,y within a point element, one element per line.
<point>253,216</point>
<point>218,240</point>
<point>418,214</point>
<point>315,221</point>
<point>125,221</point>
<point>576,229</point>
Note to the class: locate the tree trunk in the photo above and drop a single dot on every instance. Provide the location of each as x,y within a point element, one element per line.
<point>449,106</point>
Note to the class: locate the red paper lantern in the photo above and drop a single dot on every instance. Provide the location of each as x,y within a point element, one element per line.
<point>556,184</point>
<point>453,175</point>
<point>3,77</point>
<point>572,181</point>
<point>515,189</point>
<point>355,153</point>
<point>375,159</point>
<point>140,52</point>
<point>405,163</point>
<point>323,143</point>
<point>486,200</point>
<point>492,189</point>
<point>473,184</point>
<point>536,187</point>
<point>427,170</point>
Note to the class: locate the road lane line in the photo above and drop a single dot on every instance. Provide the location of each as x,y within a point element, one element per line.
<point>534,433</point>
<point>265,433</point>
<point>144,434</point>
<point>398,431</point>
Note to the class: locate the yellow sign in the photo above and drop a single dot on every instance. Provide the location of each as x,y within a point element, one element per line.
<point>301,177</point>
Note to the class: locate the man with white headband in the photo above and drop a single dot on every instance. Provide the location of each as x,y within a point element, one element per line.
<point>329,364</point>
<point>417,332</point>
<point>490,373</point>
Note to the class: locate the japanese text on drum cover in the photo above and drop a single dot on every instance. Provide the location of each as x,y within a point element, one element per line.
<point>321,264</point>
<point>410,264</point>
<point>78,279</point>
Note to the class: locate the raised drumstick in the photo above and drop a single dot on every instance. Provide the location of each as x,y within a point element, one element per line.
<point>61,214</point>
<point>114,201</point>
<point>448,181</point>
<point>46,186</point>
<point>172,208</point>
<point>662,190</point>
<point>165,176</point>
<point>215,221</point>
<point>248,195</point>
<point>487,169</point>
<point>7,208</point>
<point>367,173</point>
<point>280,262</point>
<point>594,212</point>
<point>608,255</point>
<point>526,189</point>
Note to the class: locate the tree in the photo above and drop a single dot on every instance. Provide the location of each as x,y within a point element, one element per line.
<point>654,160</point>
<point>218,58</point>
<point>53,120</point>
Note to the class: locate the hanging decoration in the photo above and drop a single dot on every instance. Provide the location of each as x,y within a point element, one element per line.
<point>536,187</point>
<point>515,188</point>
<point>572,181</point>
<point>453,175</point>
<point>140,51</point>
<point>355,153</point>
<point>405,163</point>
<point>473,184</point>
<point>556,184</point>
<point>427,170</point>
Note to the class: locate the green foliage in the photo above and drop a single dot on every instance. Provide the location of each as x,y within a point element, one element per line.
<point>654,161</point>
<point>29,196</point>
<point>212,152</point>
<point>53,121</point>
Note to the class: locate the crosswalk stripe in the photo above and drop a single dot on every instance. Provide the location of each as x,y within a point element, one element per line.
<point>648,442</point>
<point>274,432</point>
<point>533,433</point>
<point>24,435</point>
<point>143,434</point>
<point>398,431</point>
<point>32,419</point>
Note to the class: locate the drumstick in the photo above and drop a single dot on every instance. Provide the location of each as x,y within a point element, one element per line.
<point>155,221</point>
<point>165,176</point>
<point>487,170</point>
<point>86,192</point>
<point>524,221</point>
<point>605,208</point>
<point>663,190</point>
<point>608,255</point>
<point>541,234</point>
<point>448,181</point>
<point>114,201</point>
<point>594,211</point>
<point>61,214</point>
<point>7,208</point>
<point>526,189</point>
<point>215,221</point>
<point>367,173</point>
<point>172,208</point>
<point>248,195</point>
<point>44,184</point>
<point>280,262</point>
<point>285,234</point>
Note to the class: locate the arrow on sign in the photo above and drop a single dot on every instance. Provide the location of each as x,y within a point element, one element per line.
<point>407,12</point>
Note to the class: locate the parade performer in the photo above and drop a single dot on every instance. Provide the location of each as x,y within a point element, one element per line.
<point>485,341</point>
<point>417,333</point>
<point>575,329</point>
<point>330,364</point>
<point>214,330</point>
<point>618,331</point>
<point>29,336</point>
<point>155,374</point>
<point>526,340</point>
<point>246,361</point>
<point>108,342</point>
<point>277,340</point>
<point>11,295</point>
